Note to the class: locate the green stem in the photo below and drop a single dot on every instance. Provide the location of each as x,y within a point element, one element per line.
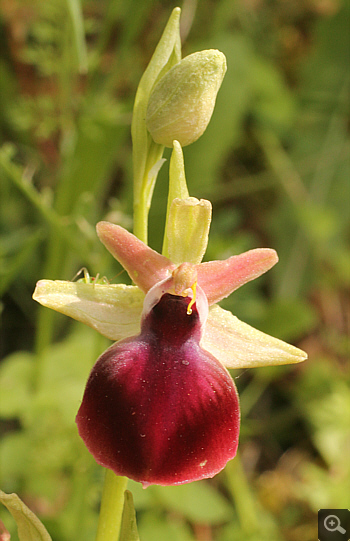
<point>111,507</point>
<point>242,496</point>
<point>283,167</point>
<point>141,220</point>
<point>143,190</point>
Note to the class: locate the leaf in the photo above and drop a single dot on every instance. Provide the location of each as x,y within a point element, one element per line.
<point>143,498</point>
<point>330,417</point>
<point>198,502</point>
<point>273,102</point>
<point>76,15</point>
<point>15,382</point>
<point>15,448</point>
<point>18,249</point>
<point>128,530</point>
<point>155,527</point>
<point>167,53</point>
<point>289,318</point>
<point>29,526</point>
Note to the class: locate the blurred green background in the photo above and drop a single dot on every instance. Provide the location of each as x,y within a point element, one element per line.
<point>274,161</point>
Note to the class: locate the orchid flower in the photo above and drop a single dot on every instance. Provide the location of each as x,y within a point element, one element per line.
<point>160,406</point>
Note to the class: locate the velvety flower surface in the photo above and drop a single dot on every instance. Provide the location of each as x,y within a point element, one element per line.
<point>159,405</point>
<point>158,408</point>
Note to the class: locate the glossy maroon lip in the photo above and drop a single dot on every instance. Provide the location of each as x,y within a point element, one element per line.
<point>158,408</point>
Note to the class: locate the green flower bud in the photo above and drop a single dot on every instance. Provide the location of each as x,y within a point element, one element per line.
<point>182,102</point>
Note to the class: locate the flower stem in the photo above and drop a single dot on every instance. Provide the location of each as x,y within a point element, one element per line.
<point>141,221</point>
<point>242,496</point>
<point>111,507</point>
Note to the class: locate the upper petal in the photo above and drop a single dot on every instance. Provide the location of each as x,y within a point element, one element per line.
<point>188,229</point>
<point>238,345</point>
<point>145,266</point>
<point>113,310</point>
<point>219,278</point>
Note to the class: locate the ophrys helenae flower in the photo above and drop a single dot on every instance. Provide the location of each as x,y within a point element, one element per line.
<point>160,406</point>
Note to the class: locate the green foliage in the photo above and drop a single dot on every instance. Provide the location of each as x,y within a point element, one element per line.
<point>128,530</point>
<point>29,526</point>
<point>183,499</point>
<point>46,458</point>
<point>274,162</point>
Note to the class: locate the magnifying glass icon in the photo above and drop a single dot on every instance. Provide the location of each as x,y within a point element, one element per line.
<point>332,524</point>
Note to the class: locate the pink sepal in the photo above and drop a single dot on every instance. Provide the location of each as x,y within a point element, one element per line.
<point>145,266</point>
<point>219,278</point>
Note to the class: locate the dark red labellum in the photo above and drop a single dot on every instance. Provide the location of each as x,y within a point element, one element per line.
<point>158,408</point>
